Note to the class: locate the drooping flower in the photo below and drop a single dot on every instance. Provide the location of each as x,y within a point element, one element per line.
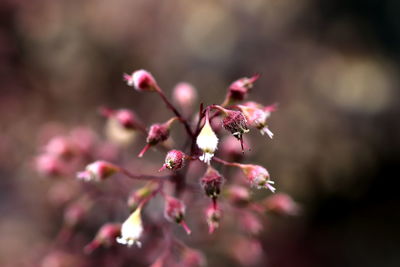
<point>174,211</point>
<point>141,80</point>
<point>97,171</point>
<point>131,229</point>
<point>211,182</point>
<point>213,216</point>
<point>207,141</point>
<point>106,236</point>
<point>257,116</point>
<point>258,176</point>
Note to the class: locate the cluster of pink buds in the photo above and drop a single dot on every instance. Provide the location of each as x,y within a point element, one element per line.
<point>223,191</point>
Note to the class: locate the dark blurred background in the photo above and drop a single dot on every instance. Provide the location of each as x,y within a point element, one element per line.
<point>332,65</point>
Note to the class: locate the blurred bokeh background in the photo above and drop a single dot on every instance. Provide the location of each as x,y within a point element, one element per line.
<point>332,65</point>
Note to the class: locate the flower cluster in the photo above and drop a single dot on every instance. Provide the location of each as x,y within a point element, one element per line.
<point>101,174</point>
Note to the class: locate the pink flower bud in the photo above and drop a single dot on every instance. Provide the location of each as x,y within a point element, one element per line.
<point>97,171</point>
<point>49,165</point>
<point>192,258</point>
<point>185,95</point>
<point>282,204</point>
<point>75,212</point>
<point>141,80</point>
<point>213,216</point>
<point>238,195</point>
<point>174,160</point>
<point>239,89</point>
<point>157,133</point>
<point>138,196</point>
<point>106,236</point>
<point>258,176</point>
<point>247,251</point>
<point>174,211</point>
<point>60,146</point>
<point>230,150</point>
<point>250,223</point>
<point>124,117</point>
<point>211,182</point>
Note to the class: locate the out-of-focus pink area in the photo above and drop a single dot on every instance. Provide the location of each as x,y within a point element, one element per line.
<point>332,67</point>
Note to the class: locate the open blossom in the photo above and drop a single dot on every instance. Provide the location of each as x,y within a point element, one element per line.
<point>131,229</point>
<point>258,176</point>
<point>257,116</point>
<point>97,171</point>
<point>141,80</point>
<point>207,141</point>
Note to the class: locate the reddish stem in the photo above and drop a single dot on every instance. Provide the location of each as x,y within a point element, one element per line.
<point>233,164</point>
<point>175,111</point>
<point>184,225</point>
<point>147,146</point>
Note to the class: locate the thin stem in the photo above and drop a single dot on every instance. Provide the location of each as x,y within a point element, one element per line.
<point>233,164</point>
<point>175,111</point>
<point>142,176</point>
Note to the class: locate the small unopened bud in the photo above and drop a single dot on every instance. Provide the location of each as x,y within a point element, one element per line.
<point>174,160</point>
<point>238,195</point>
<point>98,171</point>
<point>138,196</point>
<point>213,215</point>
<point>76,211</point>
<point>239,89</point>
<point>207,141</point>
<point>49,165</point>
<point>174,211</point>
<point>248,252</point>
<point>258,176</point>
<point>212,182</point>
<point>192,258</point>
<point>158,133</point>
<point>60,146</point>
<point>250,223</point>
<point>125,117</point>
<point>230,150</point>
<point>185,95</point>
<point>281,204</point>
<point>141,80</point>
<point>105,236</point>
